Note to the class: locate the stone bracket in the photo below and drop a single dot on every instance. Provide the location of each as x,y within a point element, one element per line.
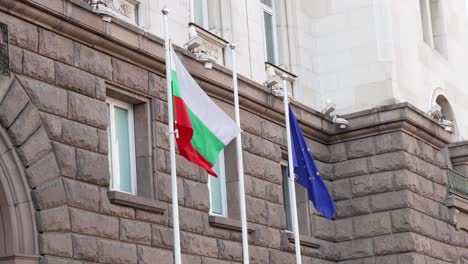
<point>227,223</point>
<point>306,241</point>
<point>138,202</point>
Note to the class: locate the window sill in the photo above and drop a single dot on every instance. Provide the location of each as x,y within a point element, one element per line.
<point>138,202</point>
<point>227,223</point>
<point>306,241</point>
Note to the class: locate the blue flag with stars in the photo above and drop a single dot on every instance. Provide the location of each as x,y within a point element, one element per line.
<point>307,173</point>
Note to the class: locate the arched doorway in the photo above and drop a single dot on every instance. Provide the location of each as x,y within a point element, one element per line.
<point>18,235</point>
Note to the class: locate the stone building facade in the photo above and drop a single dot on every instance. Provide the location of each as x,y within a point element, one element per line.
<point>395,176</point>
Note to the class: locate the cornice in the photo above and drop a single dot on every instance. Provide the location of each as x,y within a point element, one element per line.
<point>76,20</point>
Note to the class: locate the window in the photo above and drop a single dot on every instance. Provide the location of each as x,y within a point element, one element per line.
<point>433,27</point>
<point>217,188</point>
<point>269,27</point>
<point>200,13</point>
<point>121,146</point>
<point>287,198</point>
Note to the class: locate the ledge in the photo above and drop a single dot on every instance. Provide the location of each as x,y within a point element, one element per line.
<point>138,202</point>
<point>227,223</point>
<point>20,259</point>
<point>306,241</point>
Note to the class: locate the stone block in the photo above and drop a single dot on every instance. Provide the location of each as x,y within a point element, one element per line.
<point>56,244</point>
<point>341,189</point>
<point>87,110</point>
<point>165,188</point>
<point>25,125</point>
<point>229,250</point>
<point>390,161</point>
<point>85,247</point>
<point>51,194</point>
<point>258,255</point>
<point>350,168</point>
<point>42,171</point>
<point>439,191</point>
<point>157,86</point>
<point>361,147</point>
<point>89,223</point>
<point>372,183</point>
<point>325,169</point>
<point>319,151</point>
<point>360,248</point>
<point>38,67</point>
<point>395,243</point>
<point>159,109</point>
<point>66,159</point>
<point>337,152</point>
<point>53,125</point>
<point>257,211</point>
<point>151,217</point>
<point>214,261</point>
<point>390,200</point>
<point>46,97</point>
<point>265,148</point>
<point>273,171</point>
<point>254,165</point>
<point>16,59</point>
<point>372,225</point>
<point>199,245</point>
<point>162,237</point>
<point>106,207</point>
<point>22,33</point>
<point>92,167</point>
<point>35,148</point>
<point>79,135</point>
<point>82,195</point>
<point>135,231</point>
<point>75,79</point>
<point>187,169</point>
<point>276,215</point>
<point>280,257</point>
<point>101,88</point>
<point>148,255</point>
<point>191,220</point>
<point>356,206</point>
<point>130,75</point>
<point>196,195</point>
<point>55,46</point>
<point>273,132</point>
<point>93,61</point>
<point>55,219</point>
<point>103,142</point>
<point>116,252</point>
<point>14,102</point>
<point>344,229</point>
<point>322,228</point>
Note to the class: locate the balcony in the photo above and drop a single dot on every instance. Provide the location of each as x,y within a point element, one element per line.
<point>458,183</point>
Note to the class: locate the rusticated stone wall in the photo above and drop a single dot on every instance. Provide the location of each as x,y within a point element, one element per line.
<point>386,172</point>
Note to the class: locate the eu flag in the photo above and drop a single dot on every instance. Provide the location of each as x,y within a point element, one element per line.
<point>307,173</point>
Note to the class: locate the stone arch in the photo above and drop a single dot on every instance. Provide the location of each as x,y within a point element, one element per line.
<point>27,162</point>
<point>440,97</point>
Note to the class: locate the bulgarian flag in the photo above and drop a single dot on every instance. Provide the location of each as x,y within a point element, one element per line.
<point>204,129</point>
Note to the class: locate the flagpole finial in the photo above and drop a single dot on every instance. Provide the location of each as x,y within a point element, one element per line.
<point>165,11</point>
<point>232,45</point>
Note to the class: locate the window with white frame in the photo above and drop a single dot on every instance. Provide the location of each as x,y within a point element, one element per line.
<point>200,13</point>
<point>433,27</point>
<point>269,28</point>
<point>217,188</point>
<point>122,146</point>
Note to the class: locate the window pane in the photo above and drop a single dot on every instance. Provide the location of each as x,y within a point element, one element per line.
<point>200,13</point>
<point>269,37</point>
<point>287,199</point>
<point>217,190</point>
<point>122,150</point>
<point>267,2</point>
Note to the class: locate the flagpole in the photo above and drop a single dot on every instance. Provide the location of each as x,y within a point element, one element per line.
<point>172,134</point>
<point>240,162</point>
<point>292,182</point>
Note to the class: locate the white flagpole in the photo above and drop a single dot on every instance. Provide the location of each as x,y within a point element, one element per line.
<point>172,134</point>
<point>240,162</point>
<point>292,181</point>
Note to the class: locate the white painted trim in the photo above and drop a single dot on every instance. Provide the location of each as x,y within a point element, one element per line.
<point>115,177</point>
<point>222,176</point>
<point>271,11</point>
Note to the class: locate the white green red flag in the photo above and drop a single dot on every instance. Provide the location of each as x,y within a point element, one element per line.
<point>203,128</point>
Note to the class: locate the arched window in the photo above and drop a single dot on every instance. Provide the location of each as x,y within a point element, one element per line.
<point>447,114</point>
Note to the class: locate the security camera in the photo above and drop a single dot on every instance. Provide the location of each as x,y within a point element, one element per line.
<point>436,112</point>
<point>208,59</point>
<point>272,78</point>
<point>329,108</point>
<point>195,41</point>
<point>341,122</point>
